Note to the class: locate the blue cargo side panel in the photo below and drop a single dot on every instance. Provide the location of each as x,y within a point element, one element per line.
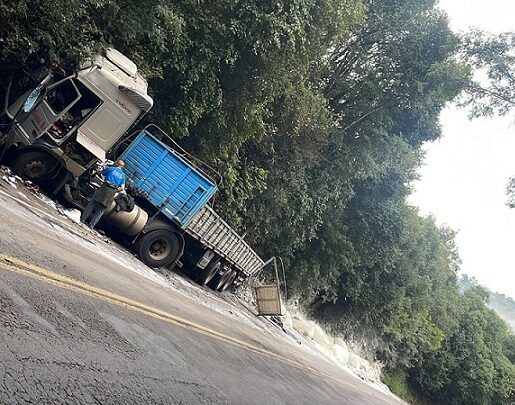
<point>165,179</point>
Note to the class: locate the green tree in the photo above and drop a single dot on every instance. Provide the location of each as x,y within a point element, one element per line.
<point>493,58</point>
<point>492,93</point>
<point>471,367</point>
<point>387,83</point>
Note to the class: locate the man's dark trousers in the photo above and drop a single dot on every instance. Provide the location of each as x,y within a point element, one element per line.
<point>95,210</point>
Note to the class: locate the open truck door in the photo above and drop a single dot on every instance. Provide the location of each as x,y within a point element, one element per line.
<point>47,113</point>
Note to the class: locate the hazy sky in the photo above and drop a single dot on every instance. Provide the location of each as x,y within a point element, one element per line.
<point>464,179</point>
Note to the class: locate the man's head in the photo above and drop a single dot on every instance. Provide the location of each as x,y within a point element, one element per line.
<point>119,163</point>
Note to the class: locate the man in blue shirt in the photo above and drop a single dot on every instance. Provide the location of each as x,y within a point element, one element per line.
<point>114,180</point>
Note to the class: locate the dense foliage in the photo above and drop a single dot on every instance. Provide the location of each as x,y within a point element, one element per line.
<point>315,112</point>
<point>504,306</point>
<point>493,91</point>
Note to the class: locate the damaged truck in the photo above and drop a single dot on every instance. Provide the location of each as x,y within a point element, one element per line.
<point>58,132</point>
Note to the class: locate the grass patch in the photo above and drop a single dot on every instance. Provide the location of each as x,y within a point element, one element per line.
<point>397,381</point>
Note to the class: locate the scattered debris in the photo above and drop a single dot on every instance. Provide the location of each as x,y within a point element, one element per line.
<point>29,185</point>
<point>11,180</point>
<point>50,202</point>
<point>278,321</point>
<point>72,213</point>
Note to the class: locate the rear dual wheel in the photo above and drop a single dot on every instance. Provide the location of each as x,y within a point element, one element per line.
<point>222,282</point>
<point>207,274</point>
<point>229,281</point>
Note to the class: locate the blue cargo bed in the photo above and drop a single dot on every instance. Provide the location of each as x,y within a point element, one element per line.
<point>167,180</point>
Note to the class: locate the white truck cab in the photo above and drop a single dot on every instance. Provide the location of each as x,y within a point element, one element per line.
<point>77,119</point>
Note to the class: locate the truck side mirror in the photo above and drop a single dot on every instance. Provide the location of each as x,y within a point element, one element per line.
<point>34,94</point>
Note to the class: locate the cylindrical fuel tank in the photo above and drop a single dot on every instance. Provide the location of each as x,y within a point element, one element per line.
<point>130,223</point>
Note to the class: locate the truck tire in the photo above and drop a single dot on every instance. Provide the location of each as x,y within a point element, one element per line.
<point>220,279</point>
<point>158,248</point>
<point>207,274</point>
<point>229,281</point>
<point>35,165</point>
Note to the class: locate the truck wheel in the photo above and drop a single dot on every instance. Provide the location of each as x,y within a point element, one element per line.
<point>229,281</point>
<point>219,279</point>
<point>35,165</point>
<point>158,248</point>
<point>207,274</point>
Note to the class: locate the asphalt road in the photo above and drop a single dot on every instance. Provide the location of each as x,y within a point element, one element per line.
<point>77,327</point>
